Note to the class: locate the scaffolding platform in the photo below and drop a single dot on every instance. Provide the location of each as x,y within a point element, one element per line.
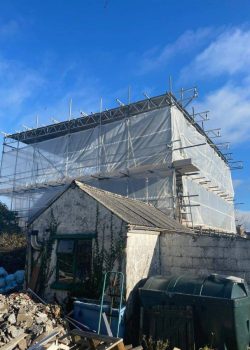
<point>136,150</point>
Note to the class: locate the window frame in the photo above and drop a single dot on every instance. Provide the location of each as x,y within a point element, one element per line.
<point>75,237</point>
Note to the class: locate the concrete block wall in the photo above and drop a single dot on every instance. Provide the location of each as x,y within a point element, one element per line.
<point>203,254</point>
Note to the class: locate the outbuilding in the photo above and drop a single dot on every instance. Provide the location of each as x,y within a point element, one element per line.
<point>85,231</point>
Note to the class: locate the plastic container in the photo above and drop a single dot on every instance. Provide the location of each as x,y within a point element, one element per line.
<point>216,310</point>
<point>3,272</point>
<point>10,280</point>
<point>19,277</point>
<point>2,290</point>
<point>2,282</point>
<point>88,314</point>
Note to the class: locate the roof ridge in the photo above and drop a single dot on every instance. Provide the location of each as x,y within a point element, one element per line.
<point>112,193</point>
<point>124,207</point>
<point>131,211</point>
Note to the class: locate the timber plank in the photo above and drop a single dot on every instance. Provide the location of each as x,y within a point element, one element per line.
<point>13,342</point>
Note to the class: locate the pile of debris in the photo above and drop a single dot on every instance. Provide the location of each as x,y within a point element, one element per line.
<point>24,322</point>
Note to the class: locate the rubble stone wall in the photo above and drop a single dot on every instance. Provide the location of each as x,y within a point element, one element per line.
<point>76,212</point>
<point>204,254</point>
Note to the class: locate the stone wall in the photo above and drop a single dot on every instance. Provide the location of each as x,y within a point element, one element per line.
<point>147,253</point>
<point>205,254</point>
<point>75,212</point>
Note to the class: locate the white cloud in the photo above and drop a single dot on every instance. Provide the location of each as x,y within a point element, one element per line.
<point>228,54</point>
<point>26,92</point>
<point>14,95</point>
<point>157,58</point>
<point>243,218</point>
<point>18,84</point>
<point>237,183</point>
<point>230,109</point>
<point>225,63</point>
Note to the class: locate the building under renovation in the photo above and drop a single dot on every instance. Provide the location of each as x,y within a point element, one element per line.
<point>152,150</point>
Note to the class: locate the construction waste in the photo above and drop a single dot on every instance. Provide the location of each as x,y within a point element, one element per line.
<point>23,322</point>
<point>11,282</point>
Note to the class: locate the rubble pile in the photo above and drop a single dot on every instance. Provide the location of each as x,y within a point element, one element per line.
<point>20,314</point>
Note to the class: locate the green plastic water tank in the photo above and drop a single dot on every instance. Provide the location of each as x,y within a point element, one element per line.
<point>186,310</point>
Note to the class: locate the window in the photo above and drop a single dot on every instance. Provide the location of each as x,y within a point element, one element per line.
<point>74,259</point>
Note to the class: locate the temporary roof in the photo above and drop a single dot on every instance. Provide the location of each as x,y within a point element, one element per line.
<point>82,123</point>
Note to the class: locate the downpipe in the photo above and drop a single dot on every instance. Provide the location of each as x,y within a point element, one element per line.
<point>34,240</point>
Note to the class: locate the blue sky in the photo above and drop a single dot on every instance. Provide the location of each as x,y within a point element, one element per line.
<point>52,51</point>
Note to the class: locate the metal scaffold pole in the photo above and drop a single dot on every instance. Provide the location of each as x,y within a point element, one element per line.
<point>14,178</point>
<point>2,156</point>
<point>130,149</point>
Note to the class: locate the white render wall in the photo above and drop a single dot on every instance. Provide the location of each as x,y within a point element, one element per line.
<point>142,256</point>
<point>204,254</point>
<point>146,253</point>
<point>76,212</point>
<point>180,253</point>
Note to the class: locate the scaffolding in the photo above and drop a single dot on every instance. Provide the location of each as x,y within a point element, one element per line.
<point>152,150</point>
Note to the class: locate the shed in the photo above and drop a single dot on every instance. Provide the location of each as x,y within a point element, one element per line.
<point>85,231</point>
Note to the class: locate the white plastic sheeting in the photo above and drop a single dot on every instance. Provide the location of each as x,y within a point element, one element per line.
<point>156,190</point>
<point>213,212</point>
<point>126,151</point>
<point>130,143</point>
<point>213,184</point>
<point>132,157</point>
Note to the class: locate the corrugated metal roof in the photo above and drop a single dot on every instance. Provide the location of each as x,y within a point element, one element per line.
<point>132,211</point>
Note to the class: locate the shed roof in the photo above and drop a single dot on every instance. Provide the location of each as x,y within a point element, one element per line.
<point>132,211</point>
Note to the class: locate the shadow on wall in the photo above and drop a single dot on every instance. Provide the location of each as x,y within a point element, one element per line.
<point>132,317</point>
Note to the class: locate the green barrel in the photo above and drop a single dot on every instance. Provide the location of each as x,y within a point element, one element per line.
<point>191,312</point>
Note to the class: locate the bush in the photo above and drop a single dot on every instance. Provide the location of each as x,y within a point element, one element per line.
<point>8,220</point>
